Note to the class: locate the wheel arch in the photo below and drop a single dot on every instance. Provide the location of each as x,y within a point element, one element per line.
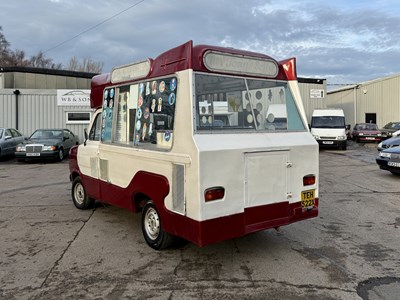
<point>149,186</point>
<point>73,175</point>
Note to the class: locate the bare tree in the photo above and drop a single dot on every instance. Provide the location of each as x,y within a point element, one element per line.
<point>17,58</point>
<point>4,48</point>
<point>40,61</point>
<point>87,65</point>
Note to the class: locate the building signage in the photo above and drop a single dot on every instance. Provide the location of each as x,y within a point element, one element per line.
<point>73,97</point>
<point>314,93</point>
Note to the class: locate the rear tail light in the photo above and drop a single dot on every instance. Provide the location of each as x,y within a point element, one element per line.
<point>214,193</point>
<point>309,180</point>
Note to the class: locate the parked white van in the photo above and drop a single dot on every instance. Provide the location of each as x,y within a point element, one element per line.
<point>329,128</point>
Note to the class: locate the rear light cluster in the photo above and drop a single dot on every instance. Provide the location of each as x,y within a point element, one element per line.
<point>218,192</point>
<point>214,193</point>
<point>309,180</point>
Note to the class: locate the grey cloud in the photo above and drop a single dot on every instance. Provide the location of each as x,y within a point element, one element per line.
<point>329,39</point>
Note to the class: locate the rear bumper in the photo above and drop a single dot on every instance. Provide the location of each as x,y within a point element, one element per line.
<point>253,219</point>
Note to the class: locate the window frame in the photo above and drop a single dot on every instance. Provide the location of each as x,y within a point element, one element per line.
<point>68,121</point>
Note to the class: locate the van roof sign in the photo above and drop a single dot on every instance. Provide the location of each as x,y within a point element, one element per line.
<point>131,71</point>
<point>240,64</point>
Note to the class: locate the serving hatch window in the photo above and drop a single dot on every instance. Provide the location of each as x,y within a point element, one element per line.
<point>140,114</point>
<point>227,103</point>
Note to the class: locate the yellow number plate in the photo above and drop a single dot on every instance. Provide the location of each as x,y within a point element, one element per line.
<point>307,198</point>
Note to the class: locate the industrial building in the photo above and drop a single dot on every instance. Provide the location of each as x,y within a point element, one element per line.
<point>376,101</point>
<point>32,98</point>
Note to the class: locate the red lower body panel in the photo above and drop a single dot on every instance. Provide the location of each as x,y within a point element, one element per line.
<point>198,232</point>
<point>252,220</point>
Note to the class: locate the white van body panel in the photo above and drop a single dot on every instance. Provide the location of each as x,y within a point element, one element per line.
<point>324,133</point>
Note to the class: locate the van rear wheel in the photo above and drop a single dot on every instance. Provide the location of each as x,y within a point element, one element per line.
<point>153,233</point>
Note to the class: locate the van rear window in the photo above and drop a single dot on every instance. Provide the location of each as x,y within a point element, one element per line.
<point>229,103</point>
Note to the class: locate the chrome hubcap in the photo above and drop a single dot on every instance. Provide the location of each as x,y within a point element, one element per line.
<point>79,193</point>
<point>152,223</point>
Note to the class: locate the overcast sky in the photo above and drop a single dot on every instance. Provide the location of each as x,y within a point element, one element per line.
<point>343,41</point>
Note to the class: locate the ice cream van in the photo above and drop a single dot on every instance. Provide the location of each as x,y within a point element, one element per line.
<point>183,140</point>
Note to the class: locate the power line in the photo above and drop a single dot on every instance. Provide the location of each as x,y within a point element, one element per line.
<point>93,27</point>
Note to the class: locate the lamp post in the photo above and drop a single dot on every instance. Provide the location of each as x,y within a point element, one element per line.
<point>16,93</point>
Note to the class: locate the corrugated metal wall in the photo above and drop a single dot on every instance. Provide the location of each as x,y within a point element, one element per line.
<point>381,96</point>
<point>37,109</point>
<point>7,108</point>
<point>345,101</point>
<point>312,103</point>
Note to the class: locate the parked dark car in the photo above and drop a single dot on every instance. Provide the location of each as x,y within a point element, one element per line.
<point>9,139</point>
<point>389,143</point>
<point>366,132</point>
<point>389,129</point>
<point>389,159</point>
<point>47,143</point>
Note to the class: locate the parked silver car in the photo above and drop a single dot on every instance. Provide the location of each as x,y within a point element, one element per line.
<point>9,139</point>
<point>389,143</point>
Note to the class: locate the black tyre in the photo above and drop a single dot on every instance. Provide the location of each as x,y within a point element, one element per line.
<point>153,232</point>
<point>79,196</point>
<point>60,154</point>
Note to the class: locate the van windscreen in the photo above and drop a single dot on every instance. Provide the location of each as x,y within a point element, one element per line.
<point>328,122</point>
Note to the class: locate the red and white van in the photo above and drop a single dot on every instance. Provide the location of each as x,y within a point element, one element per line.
<point>186,139</point>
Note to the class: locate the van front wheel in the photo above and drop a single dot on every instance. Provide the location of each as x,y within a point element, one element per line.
<point>152,229</point>
<point>79,197</point>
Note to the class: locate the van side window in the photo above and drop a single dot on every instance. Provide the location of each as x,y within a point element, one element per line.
<point>107,115</point>
<point>124,113</point>
<point>155,113</point>
<point>144,114</point>
<point>95,131</point>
